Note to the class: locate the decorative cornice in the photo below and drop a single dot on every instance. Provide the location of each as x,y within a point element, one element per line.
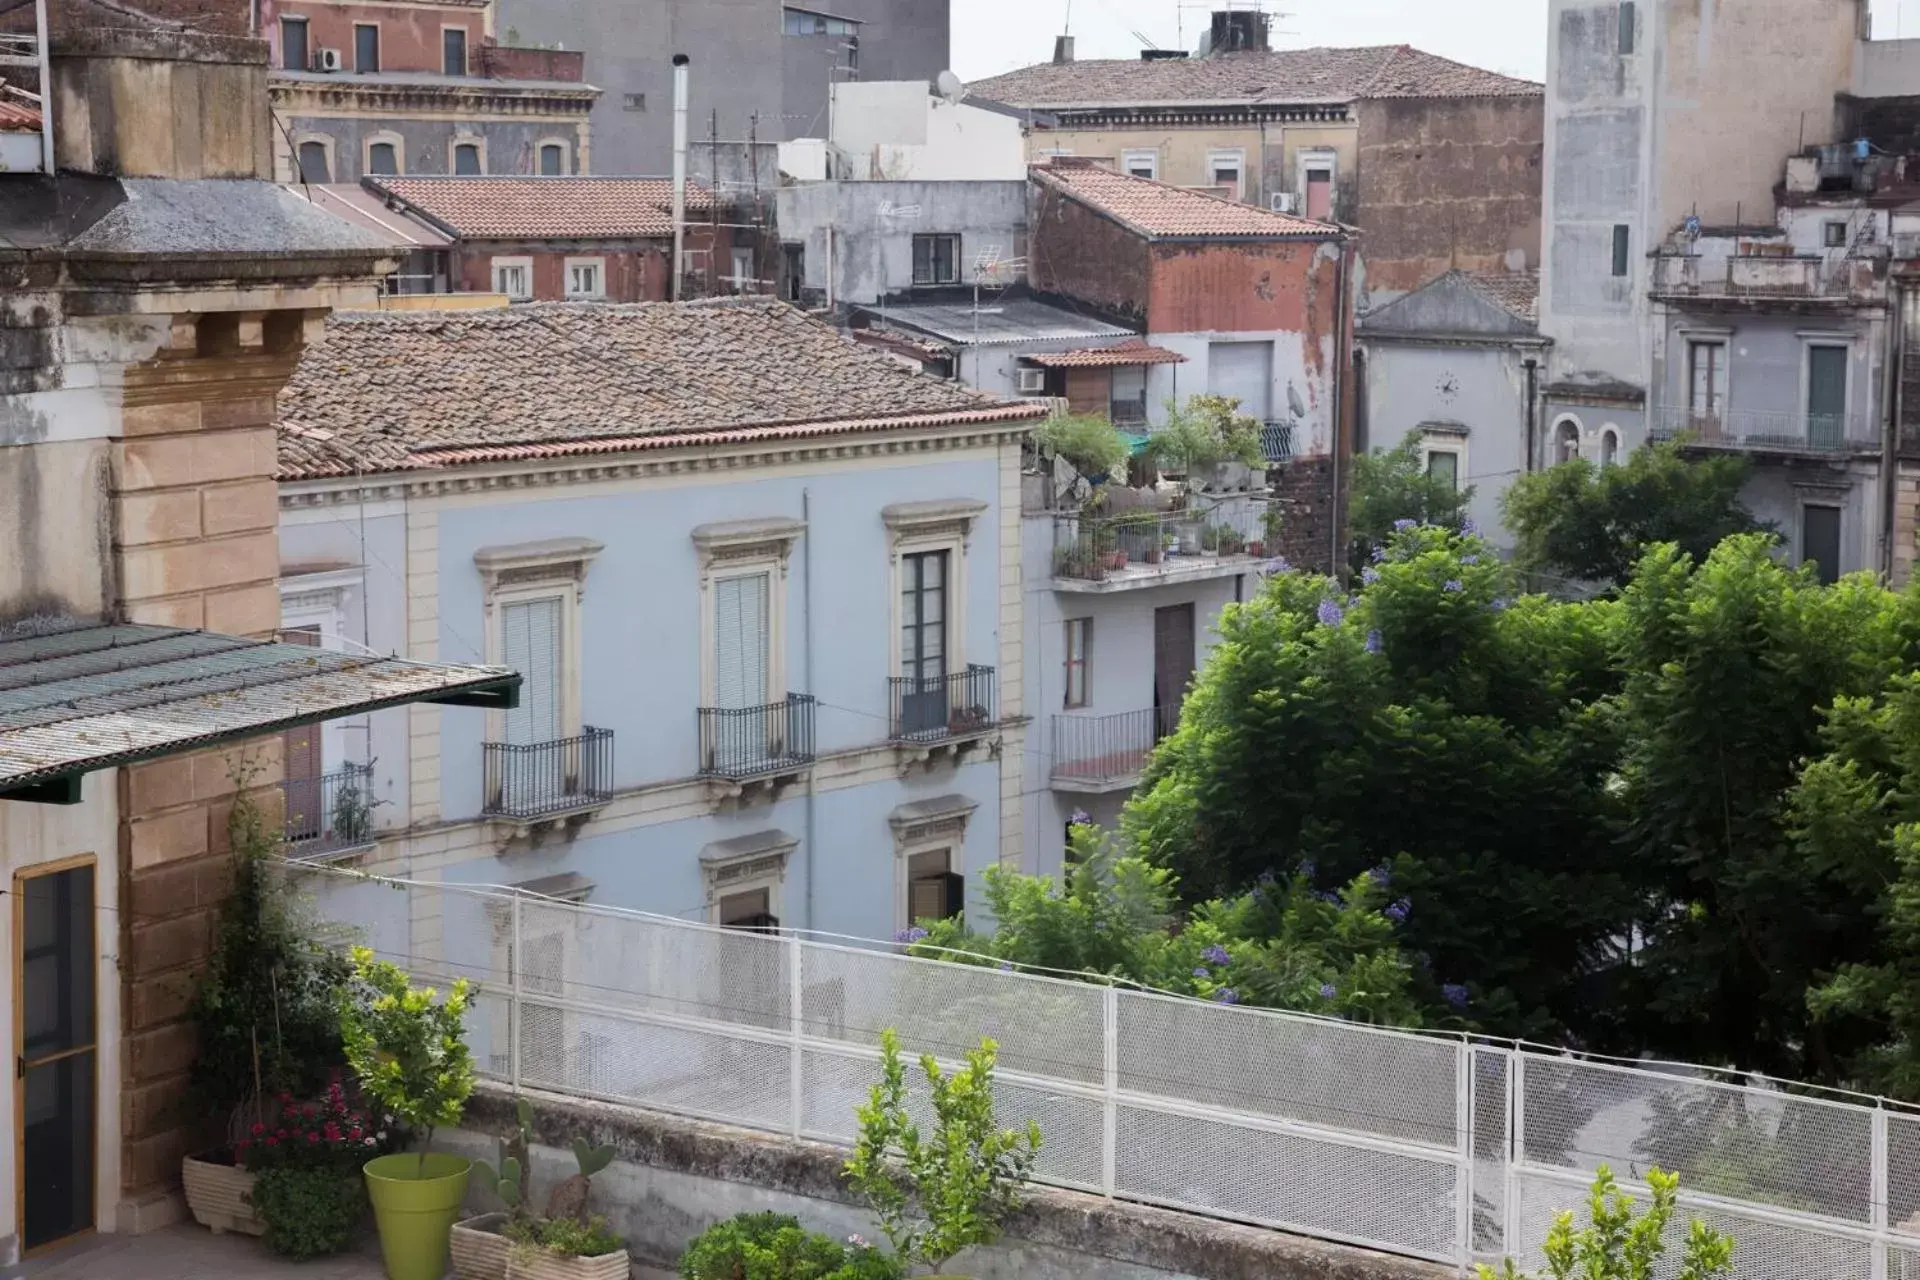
<point>399,97</point>
<point>297,494</point>
<point>747,540</point>
<point>1145,114</point>
<point>553,560</point>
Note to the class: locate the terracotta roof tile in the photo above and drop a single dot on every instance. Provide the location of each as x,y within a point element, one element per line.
<point>17,116</point>
<point>397,391</point>
<point>504,208</point>
<point>1516,292</point>
<point>1320,75</point>
<point>1158,210</point>
<point>1126,353</point>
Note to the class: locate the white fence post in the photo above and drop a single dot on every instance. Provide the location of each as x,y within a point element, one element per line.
<point>1110,1107</point>
<point>1516,1150</point>
<point>517,959</point>
<point>1463,1112</point>
<point>796,1079</point>
<point>1878,1188</point>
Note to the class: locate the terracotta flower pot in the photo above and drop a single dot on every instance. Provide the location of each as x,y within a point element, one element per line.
<point>220,1194</point>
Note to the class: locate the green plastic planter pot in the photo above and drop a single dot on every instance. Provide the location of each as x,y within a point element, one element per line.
<point>415,1207</point>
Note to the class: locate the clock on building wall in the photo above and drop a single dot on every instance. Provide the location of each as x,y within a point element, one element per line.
<point>1448,387</point>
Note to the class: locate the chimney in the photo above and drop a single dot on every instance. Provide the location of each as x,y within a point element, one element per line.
<point>1062,50</point>
<point>106,81</point>
<point>1238,31</point>
<point>674,270</point>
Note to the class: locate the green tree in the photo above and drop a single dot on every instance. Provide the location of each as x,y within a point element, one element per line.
<point>407,1047</point>
<point>1592,524</point>
<point>1203,431</point>
<point>1089,441</point>
<point>1456,742</point>
<point>1617,1244</point>
<point>1391,489</point>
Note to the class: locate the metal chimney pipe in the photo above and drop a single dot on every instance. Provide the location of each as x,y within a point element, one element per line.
<point>680,64</point>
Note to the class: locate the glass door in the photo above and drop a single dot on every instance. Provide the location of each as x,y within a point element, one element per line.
<point>55,1051</point>
<point>1826,396</point>
<point>923,642</point>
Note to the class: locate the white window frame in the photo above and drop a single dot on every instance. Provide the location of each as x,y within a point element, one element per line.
<point>520,261</point>
<point>1696,339</point>
<point>1067,626</point>
<point>1579,438</point>
<point>473,140</point>
<point>744,865</point>
<point>916,527</point>
<point>1434,441</point>
<point>1147,158</point>
<point>599,267</point>
<point>327,142</point>
<point>398,143</point>
<point>1809,339</point>
<point>736,549</point>
<point>566,155</point>
<point>1316,158</point>
<point>926,827</point>
<point>528,572</point>
<point>1228,157</point>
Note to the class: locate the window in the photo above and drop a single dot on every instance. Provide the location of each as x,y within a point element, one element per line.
<point>531,643</point>
<point>532,602</point>
<point>466,159</point>
<point>751,911</point>
<point>923,616</point>
<point>553,160</point>
<point>1444,465</point>
<point>934,892</point>
<point>293,44</point>
<point>743,587</point>
<point>1826,394</point>
<point>793,271</point>
<point>453,51</point>
<point>1320,194</point>
<point>586,277</point>
<point>744,876</point>
<point>633,102</point>
<point>313,162</point>
<point>936,259</point>
<point>514,277</point>
<point>383,158</point>
<point>1626,27</point>
<point>1820,540</point>
<point>1140,164</point>
<point>1707,380</point>
<point>366,47</point>
<point>1609,446</point>
<point>799,22</point>
<point>1224,169</point>
<point>1834,235</point>
<point>1079,636</point>
<point>742,638</point>
<point>743,275</point>
<point>1620,246</point>
<point>1566,440</point>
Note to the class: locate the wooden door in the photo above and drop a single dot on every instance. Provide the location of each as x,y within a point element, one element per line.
<point>1173,657</point>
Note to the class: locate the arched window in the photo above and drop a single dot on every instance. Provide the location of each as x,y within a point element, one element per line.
<point>1566,439</point>
<point>1609,445</point>
<point>466,159</point>
<point>313,162</point>
<point>383,159</point>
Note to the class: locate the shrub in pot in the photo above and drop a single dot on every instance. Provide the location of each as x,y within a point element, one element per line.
<point>773,1244</point>
<point>408,1047</point>
<point>563,1243</point>
<point>1090,442</point>
<point>307,1182</point>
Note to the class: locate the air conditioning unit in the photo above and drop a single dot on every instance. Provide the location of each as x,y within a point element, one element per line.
<point>1281,201</point>
<point>1033,381</point>
<point>328,60</point>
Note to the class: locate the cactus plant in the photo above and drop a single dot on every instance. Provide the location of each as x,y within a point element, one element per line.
<point>508,1177</point>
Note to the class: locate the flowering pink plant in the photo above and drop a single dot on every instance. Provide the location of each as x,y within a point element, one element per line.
<point>329,1132</point>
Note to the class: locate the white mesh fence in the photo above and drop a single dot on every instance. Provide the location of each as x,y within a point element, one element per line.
<point>1420,1145</point>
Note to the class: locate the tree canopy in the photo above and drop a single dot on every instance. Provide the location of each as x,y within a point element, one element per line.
<point>1391,486</point>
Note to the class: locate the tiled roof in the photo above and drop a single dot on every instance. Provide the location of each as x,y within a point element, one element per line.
<point>1280,76</point>
<point>397,391</point>
<point>18,115</point>
<point>1127,353</point>
<point>1517,292</point>
<point>1158,210</point>
<point>503,208</point>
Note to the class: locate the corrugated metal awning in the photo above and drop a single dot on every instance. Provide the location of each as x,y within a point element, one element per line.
<point>85,698</point>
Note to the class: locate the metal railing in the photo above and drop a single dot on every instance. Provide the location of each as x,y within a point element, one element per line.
<point>1766,276</point>
<point>542,778</point>
<point>934,709</point>
<point>1107,752</point>
<point>1766,430</point>
<point>1277,441</point>
<point>1432,1146</point>
<point>749,742</point>
<point>1091,548</point>
<point>1128,413</point>
<point>329,813</point>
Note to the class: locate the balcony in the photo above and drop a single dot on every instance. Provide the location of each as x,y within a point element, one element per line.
<point>942,709</point>
<point>547,780</point>
<point>1098,754</point>
<point>744,743</point>
<point>1751,279</point>
<point>1769,432</point>
<point>330,814</point>
<point>1140,549</point>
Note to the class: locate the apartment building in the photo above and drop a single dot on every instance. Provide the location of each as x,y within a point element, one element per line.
<point>763,585</point>
<point>160,290</point>
<point>391,87</point>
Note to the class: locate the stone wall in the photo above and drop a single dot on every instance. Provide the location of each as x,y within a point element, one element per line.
<point>671,1179</point>
<point>1304,490</point>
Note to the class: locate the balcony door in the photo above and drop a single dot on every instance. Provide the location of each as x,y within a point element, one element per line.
<point>305,762</point>
<point>1173,662</point>
<point>1826,396</point>
<point>531,643</point>
<point>55,1051</point>
<point>742,663</point>
<point>923,641</point>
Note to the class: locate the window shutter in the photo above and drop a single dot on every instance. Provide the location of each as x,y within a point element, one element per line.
<point>532,647</point>
<point>741,641</point>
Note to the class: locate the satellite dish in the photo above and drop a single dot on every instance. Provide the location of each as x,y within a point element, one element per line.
<point>1293,402</point>
<point>950,87</point>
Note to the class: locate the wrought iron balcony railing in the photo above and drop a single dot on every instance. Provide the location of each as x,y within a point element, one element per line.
<point>1098,548</point>
<point>540,779</point>
<point>1768,431</point>
<point>329,813</point>
<point>752,742</point>
<point>1106,753</point>
<point>940,708</point>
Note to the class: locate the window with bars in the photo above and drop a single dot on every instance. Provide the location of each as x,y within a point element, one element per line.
<point>936,259</point>
<point>1079,636</point>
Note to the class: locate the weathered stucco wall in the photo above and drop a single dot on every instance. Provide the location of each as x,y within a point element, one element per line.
<point>1082,255</point>
<point>672,1178</point>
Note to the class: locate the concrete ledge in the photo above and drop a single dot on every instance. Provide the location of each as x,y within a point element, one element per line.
<point>672,1178</point>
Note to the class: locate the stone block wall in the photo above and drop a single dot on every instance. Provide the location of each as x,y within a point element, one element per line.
<point>1304,490</point>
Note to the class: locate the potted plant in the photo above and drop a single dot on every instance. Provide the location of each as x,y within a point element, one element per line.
<point>563,1243</point>
<point>306,1165</point>
<point>1231,543</point>
<point>409,1050</point>
<point>756,1244</point>
<point>949,1189</point>
<point>264,1010</point>
<point>1270,523</point>
<point>1090,442</point>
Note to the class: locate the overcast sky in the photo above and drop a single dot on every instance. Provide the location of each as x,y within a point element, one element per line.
<point>991,36</point>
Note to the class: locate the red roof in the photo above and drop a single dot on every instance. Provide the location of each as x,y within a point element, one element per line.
<point>17,116</point>
<point>506,208</point>
<point>1127,353</point>
<point>1157,210</point>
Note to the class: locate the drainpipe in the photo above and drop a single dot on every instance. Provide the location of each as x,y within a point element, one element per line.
<point>1890,433</point>
<point>1343,364</point>
<point>680,64</point>
<point>1533,384</point>
<point>806,626</point>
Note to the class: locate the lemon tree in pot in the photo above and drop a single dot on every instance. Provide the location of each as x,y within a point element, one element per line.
<point>407,1045</point>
